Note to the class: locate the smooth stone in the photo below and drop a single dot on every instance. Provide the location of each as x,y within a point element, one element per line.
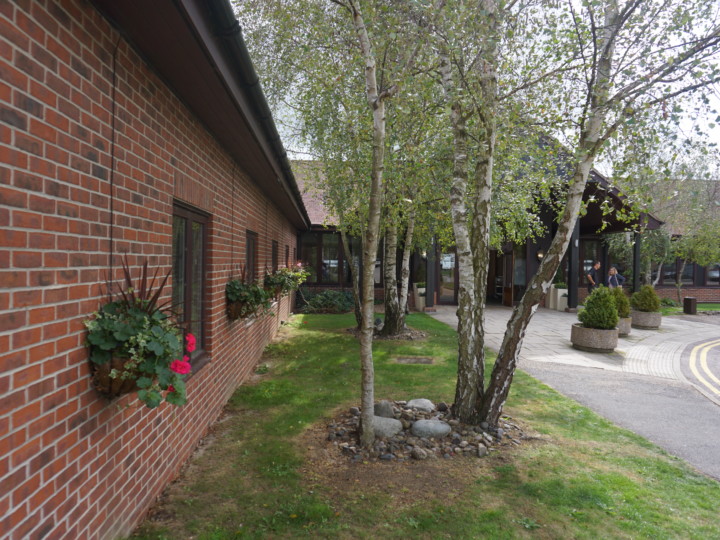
<point>442,406</point>
<point>387,457</point>
<point>482,450</point>
<point>430,428</point>
<point>421,404</point>
<point>384,408</point>
<point>386,427</point>
<point>355,411</point>
<point>418,453</point>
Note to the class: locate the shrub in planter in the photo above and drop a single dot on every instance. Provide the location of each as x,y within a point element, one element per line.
<point>600,310</point>
<point>623,309</point>
<point>646,306</point>
<point>136,345</point>
<point>646,299</point>
<point>599,318</point>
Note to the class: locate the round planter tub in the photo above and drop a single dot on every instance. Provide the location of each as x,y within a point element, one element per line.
<point>593,339</point>
<point>646,320</point>
<point>624,326</point>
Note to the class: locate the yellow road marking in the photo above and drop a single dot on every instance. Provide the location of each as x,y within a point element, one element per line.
<point>703,362</point>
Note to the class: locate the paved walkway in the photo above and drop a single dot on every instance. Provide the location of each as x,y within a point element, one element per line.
<point>640,386</point>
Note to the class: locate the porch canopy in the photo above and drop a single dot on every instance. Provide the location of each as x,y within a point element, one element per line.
<point>608,211</point>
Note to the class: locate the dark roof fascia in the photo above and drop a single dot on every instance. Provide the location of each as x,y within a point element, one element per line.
<point>227,69</point>
<point>229,32</point>
<point>648,221</point>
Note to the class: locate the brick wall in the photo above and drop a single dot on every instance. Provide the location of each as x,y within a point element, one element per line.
<point>72,464</point>
<point>703,294</point>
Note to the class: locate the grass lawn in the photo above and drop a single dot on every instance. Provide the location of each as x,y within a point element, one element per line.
<point>705,306</point>
<point>267,471</point>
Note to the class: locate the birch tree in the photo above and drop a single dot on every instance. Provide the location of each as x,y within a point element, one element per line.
<point>638,56</point>
<point>329,41</point>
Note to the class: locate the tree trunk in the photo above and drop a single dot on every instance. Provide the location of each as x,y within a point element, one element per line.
<point>588,146</point>
<point>469,386</point>
<point>370,238</point>
<point>678,281</point>
<point>405,266</point>
<point>354,276</point>
<point>394,317</point>
<point>659,273</point>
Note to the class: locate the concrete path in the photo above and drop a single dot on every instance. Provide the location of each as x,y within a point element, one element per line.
<point>641,386</point>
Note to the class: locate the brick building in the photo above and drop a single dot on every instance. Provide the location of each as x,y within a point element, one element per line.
<point>132,128</point>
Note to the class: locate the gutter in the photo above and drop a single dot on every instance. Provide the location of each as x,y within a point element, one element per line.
<point>231,32</point>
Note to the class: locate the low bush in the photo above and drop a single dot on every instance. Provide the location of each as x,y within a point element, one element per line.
<point>329,301</point>
<point>668,302</point>
<point>600,311</point>
<point>646,299</point>
<point>622,304</point>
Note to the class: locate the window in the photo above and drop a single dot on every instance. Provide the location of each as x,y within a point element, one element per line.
<point>251,241</point>
<point>713,275</point>
<point>330,263</point>
<point>274,255</point>
<point>309,253</point>
<point>688,275</point>
<point>589,252</point>
<point>669,273</point>
<point>189,242</point>
<point>287,256</point>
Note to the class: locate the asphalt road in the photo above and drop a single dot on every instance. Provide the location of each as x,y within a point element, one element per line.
<point>672,414</point>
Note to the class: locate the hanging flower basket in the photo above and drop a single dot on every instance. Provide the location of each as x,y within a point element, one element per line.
<point>114,379</point>
<point>137,346</point>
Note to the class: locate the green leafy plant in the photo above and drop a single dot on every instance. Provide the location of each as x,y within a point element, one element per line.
<point>285,280</point>
<point>560,285</point>
<point>622,304</point>
<point>329,301</point>
<point>246,298</point>
<point>136,344</point>
<point>668,302</point>
<point>421,284</point>
<point>600,311</point>
<point>646,299</point>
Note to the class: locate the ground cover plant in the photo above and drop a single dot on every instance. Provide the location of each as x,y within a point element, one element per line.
<point>267,471</point>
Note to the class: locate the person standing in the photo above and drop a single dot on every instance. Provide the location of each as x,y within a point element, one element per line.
<point>614,278</point>
<point>592,277</point>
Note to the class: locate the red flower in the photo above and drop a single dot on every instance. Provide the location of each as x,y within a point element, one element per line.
<point>171,388</point>
<point>178,366</point>
<point>191,342</point>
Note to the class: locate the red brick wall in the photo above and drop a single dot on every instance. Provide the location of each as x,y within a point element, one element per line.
<point>703,294</point>
<point>74,465</point>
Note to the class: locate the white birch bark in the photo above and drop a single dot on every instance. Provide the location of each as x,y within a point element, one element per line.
<point>588,146</point>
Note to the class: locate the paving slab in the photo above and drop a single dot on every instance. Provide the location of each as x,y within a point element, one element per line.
<point>640,386</point>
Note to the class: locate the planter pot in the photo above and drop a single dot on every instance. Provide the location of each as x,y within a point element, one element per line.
<point>593,339</point>
<point>238,310</point>
<point>552,298</point>
<point>646,320</point>
<point>109,387</point>
<point>562,300</point>
<point>624,326</point>
<point>419,300</point>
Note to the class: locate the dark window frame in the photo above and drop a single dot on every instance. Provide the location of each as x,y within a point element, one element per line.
<point>706,273</point>
<point>200,356</point>
<point>251,255</point>
<point>274,254</point>
<point>287,256</point>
